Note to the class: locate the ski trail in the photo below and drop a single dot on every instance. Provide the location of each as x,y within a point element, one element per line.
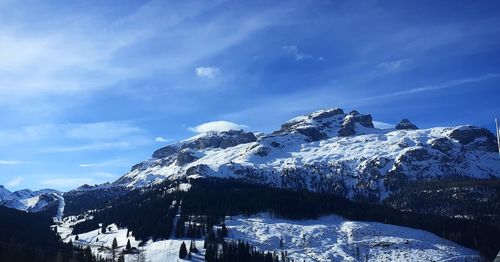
<point>60,208</point>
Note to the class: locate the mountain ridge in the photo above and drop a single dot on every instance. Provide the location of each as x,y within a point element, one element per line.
<point>28,200</point>
<point>327,150</point>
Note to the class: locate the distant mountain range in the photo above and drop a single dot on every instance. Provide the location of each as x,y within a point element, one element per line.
<point>27,200</point>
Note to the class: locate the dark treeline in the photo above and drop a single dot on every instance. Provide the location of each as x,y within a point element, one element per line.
<point>150,214</point>
<point>218,198</point>
<point>28,237</point>
<point>147,213</point>
<point>79,201</point>
<point>471,198</point>
<point>219,249</point>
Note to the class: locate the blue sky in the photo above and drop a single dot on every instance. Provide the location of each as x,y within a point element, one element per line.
<point>89,88</point>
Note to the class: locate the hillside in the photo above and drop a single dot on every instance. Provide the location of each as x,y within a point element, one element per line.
<point>173,212</point>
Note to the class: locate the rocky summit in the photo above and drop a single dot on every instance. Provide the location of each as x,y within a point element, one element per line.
<point>328,151</point>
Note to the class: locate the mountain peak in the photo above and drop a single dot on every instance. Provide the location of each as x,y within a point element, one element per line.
<point>212,139</point>
<point>405,124</point>
<point>326,123</point>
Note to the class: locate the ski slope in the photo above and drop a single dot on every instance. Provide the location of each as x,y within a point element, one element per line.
<point>330,238</point>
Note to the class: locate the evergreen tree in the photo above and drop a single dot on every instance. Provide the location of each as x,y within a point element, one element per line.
<point>77,237</point>
<point>115,244</point>
<point>103,228</point>
<point>183,251</point>
<point>128,248</point>
<point>192,247</point>
<point>121,258</point>
<point>224,230</point>
<point>113,247</point>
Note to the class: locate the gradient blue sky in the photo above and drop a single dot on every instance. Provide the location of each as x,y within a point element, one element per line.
<point>89,88</point>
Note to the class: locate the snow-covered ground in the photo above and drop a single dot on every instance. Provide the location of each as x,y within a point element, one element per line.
<point>330,238</point>
<point>333,238</point>
<point>164,250</point>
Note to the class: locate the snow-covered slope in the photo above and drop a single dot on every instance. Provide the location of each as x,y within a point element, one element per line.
<point>330,238</point>
<point>328,151</point>
<point>27,200</point>
<point>333,238</point>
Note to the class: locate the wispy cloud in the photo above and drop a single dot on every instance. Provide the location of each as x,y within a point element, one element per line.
<point>79,137</point>
<point>67,182</point>
<point>382,125</point>
<point>207,71</point>
<point>313,98</point>
<point>100,130</point>
<point>293,51</point>
<point>114,162</point>
<point>217,126</point>
<point>11,162</point>
<point>393,65</point>
<point>15,182</point>
<point>119,145</point>
<point>161,139</point>
<point>79,57</point>
<point>435,87</point>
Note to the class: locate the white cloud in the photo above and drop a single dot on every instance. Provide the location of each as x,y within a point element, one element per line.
<point>93,147</point>
<point>160,139</point>
<point>74,59</point>
<point>382,125</point>
<point>78,137</point>
<point>217,126</point>
<point>100,130</point>
<point>391,66</point>
<point>10,162</point>
<point>67,182</point>
<point>207,71</point>
<point>294,52</point>
<point>428,88</point>
<point>95,131</point>
<point>14,182</point>
<point>113,162</point>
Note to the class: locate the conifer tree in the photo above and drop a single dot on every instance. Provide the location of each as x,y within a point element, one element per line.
<point>224,230</point>
<point>192,247</point>
<point>183,251</point>
<point>115,244</point>
<point>128,248</point>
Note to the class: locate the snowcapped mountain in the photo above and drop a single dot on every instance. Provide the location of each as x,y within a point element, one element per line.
<point>27,200</point>
<point>328,151</point>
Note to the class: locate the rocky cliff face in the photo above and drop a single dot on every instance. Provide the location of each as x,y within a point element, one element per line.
<point>328,151</point>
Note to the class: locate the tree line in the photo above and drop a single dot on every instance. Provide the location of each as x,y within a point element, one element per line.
<point>150,213</point>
